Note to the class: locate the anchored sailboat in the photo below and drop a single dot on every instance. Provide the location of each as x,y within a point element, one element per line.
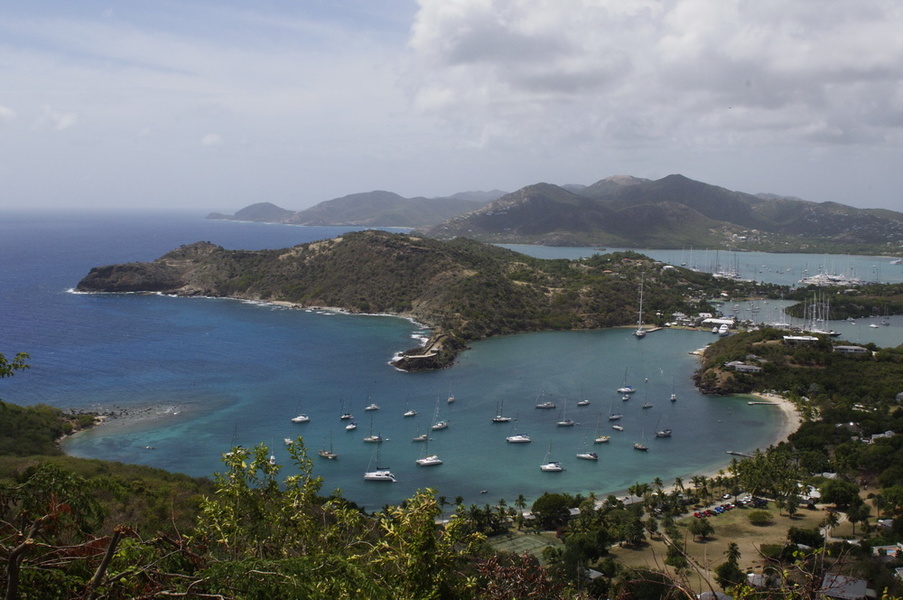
<point>500,414</point>
<point>586,454</point>
<point>600,439</point>
<point>565,422</point>
<point>379,473</point>
<point>551,466</point>
<point>428,460</point>
<point>640,332</point>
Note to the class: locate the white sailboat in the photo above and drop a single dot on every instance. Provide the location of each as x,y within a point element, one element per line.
<point>640,332</point>
<point>551,466</point>
<point>379,473</point>
<point>373,439</point>
<point>544,404</point>
<point>346,416</point>
<point>428,460</point>
<point>586,454</point>
<point>408,412</point>
<point>612,415</point>
<point>500,414</point>
<point>565,422</point>
<point>437,422</point>
<point>626,389</point>
<point>518,438</point>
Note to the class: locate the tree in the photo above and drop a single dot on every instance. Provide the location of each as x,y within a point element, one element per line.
<point>859,514</point>
<point>551,510</point>
<point>9,368</point>
<point>728,573</point>
<point>839,492</point>
<point>45,525</point>
<point>701,528</point>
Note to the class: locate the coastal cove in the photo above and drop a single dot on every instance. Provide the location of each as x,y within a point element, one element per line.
<point>196,375</point>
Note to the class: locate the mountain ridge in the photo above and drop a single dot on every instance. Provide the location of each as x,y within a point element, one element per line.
<point>621,210</point>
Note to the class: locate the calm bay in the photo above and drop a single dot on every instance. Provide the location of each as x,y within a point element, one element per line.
<point>193,376</point>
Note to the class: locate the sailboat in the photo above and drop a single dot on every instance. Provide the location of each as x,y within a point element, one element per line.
<point>379,473</point>
<point>600,439</point>
<point>641,446</point>
<point>565,422</point>
<point>626,389</point>
<point>409,412</point>
<point>586,454</point>
<point>351,426</point>
<point>373,439</point>
<point>518,438</point>
<point>328,454</point>
<point>612,415</point>
<point>439,423</point>
<point>545,404</point>
<point>640,332</point>
<point>499,414</point>
<point>346,416</point>
<point>550,466</point>
<point>428,460</point>
<point>646,403</point>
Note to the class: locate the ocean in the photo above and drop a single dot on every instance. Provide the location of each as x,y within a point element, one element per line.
<point>191,377</point>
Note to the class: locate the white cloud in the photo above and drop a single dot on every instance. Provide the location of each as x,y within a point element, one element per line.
<point>6,113</point>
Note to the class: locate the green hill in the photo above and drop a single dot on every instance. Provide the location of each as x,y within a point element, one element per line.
<point>465,290</point>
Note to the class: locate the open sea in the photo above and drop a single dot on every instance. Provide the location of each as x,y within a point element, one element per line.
<point>194,376</point>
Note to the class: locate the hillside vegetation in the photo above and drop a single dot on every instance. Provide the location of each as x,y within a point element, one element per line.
<point>813,370</point>
<point>466,290</point>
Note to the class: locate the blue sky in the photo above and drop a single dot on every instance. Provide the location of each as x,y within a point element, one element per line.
<point>215,105</point>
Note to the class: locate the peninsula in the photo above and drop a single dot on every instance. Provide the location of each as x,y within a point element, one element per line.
<point>463,289</point>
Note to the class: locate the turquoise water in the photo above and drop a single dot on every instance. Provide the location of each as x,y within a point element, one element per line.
<point>213,373</point>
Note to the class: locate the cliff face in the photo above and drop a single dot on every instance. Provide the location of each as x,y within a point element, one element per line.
<point>132,277</point>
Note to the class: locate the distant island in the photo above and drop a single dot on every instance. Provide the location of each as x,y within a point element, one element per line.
<point>621,211</point>
<point>369,209</point>
<point>463,289</point>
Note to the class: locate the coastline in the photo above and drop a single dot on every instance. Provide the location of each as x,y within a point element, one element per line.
<point>790,423</point>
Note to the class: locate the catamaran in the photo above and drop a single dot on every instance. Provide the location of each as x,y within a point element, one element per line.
<point>551,466</point>
<point>428,460</point>
<point>379,473</point>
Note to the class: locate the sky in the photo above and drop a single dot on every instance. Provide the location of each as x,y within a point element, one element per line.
<point>212,105</point>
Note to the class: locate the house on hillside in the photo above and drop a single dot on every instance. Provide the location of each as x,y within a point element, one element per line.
<point>851,350</point>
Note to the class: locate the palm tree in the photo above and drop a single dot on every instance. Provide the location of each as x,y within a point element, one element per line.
<point>520,503</point>
<point>733,553</point>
